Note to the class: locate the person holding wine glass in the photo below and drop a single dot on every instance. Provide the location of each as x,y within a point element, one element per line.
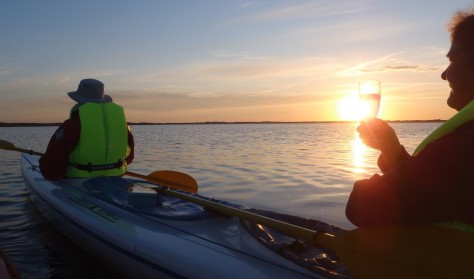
<point>435,185</point>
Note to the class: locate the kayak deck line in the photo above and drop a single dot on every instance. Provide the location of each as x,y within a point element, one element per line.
<point>107,215</point>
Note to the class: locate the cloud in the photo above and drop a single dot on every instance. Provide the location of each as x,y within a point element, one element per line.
<point>238,78</point>
<point>151,100</point>
<point>313,9</point>
<point>159,106</point>
<point>406,67</point>
<point>421,60</point>
<point>251,4</point>
<point>402,67</point>
<point>236,55</point>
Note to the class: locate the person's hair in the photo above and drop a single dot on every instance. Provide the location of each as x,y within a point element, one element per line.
<point>461,28</point>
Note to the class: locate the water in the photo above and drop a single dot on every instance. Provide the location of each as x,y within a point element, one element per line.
<point>302,169</point>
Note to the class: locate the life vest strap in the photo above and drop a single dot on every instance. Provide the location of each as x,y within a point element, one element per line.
<point>90,167</point>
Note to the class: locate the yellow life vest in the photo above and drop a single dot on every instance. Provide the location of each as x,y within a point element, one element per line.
<point>103,143</point>
<point>463,116</point>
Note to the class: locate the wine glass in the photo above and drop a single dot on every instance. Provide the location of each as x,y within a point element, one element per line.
<point>369,95</point>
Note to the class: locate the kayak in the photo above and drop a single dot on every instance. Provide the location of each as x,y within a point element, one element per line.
<point>142,233</point>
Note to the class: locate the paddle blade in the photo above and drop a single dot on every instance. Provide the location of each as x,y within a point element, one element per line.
<point>6,145</point>
<point>174,179</point>
<point>404,252</point>
<point>171,179</point>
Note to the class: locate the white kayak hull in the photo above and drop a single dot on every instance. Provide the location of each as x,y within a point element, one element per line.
<point>140,246</point>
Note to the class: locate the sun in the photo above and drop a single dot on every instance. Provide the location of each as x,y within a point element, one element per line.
<point>351,108</point>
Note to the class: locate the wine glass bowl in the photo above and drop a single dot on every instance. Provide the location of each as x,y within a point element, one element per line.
<point>369,96</point>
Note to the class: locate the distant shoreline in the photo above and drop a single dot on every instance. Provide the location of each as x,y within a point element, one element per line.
<point>32,124</point>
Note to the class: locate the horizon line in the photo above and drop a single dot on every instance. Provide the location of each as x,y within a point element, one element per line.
<point>32,124</point>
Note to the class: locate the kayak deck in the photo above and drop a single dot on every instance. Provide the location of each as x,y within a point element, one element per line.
<point>124,192</point>
<point>144,234</point>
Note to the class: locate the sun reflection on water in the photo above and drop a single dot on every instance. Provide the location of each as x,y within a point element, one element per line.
<point>359,151</point>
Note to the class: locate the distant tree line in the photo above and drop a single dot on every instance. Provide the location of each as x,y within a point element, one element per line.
<point>32,124</point>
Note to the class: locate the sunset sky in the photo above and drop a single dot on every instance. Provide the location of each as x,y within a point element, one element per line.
<point>200,60</point>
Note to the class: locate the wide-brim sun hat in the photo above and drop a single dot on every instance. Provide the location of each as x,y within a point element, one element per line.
<point>90,91</point>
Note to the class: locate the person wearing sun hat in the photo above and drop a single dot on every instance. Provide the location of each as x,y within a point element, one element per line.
<point>94,141</point>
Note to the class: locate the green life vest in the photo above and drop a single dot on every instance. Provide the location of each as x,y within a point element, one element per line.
<point>103,143</point>
<point>462,117</point>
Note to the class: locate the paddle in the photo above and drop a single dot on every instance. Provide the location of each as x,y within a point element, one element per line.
<point>168,178</point>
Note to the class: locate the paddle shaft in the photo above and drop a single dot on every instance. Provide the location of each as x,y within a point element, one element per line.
<point>286,228</point>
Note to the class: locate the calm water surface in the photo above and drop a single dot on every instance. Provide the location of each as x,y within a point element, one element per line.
<point>302,169</point>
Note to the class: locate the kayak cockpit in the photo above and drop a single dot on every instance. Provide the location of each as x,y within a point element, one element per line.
<point>142,197</point>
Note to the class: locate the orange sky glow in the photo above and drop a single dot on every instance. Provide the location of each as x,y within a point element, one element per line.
<point>251,61</point>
